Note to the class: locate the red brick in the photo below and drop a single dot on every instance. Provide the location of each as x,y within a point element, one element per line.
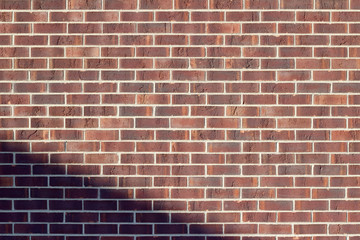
<point>311,205</point>
<point>312,40</point>
<point>132,111</point>
<point>14,52</point>
<point>82,52</point>
<point>101,40</point>
<point>265,4</point>
<point>16,4</point>
<point>311,181</point>
<point>278,16</point>
<point>344,40</point>
<point>49,28</point>
<point>171,16</point>
<point>187,147</point>
<point>259,147</point>
<point>313,229</point>
<point>201,40</point>
<point>14,28</point>
<point>151,51</point>
<point>259,99</point>
<point>137,63</point>
<point>65,16</point>
<point>240,228</point>
<point>258,28</point>
<point>278,135</point>
<point>120,4</point>
<point>207,16</point>
<point>225,4</point>
<point>29,111</point>
<point>295,52</point>
<point>259,52</point>
<point>241,87</point>
<point>136,16</point>
<point>6,40</point>
<point>258,123</point>
<point>312,16</point>
<point>25,63</point>
<point>275,228</point>
<point>294,4</point>
<point>66,40</point>
<point>276,205</point>
<point>189,4</point>
<point>48,4</point>
<point>277,40</point>
<point>295,147</point>
<point>332,28</point>
<point>276,182</point>
<point>119,28</point>
<point>83,4</point>
<point>152,147</point>
<point>156,4</point>
<point>331,4</point>
<point>314,135</point>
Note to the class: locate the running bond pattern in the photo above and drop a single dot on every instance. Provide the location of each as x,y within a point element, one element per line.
<point>180,119</point>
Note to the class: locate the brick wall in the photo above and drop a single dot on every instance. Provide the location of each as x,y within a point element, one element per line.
<point>179,119</point>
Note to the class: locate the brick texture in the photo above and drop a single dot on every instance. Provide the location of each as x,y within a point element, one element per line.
<point>179,119</point>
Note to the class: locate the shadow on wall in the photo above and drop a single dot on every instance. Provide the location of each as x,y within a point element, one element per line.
<point>56,196</point>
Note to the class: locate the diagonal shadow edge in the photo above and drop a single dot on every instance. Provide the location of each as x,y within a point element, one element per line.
<point>49,195</point>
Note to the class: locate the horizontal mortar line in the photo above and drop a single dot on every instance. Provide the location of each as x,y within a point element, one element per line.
<point>189,22</point>
<point>219,56</point>
<point>190,10</point>
<point>219,176</point>
<point>168,57</point>
<point>186,69</point>
<point>182,118</point>
<point>191,69</point>
<point>187,45</point>
<point>185,117</point>
<point>192,105</point>
<point>199,21</point>
<point>186,211</point>
<point>49,82</point>
<point>191,187</point>
<point>182,34</point>
<point>199,188</point>
<point>248,20</point>
<point>197,164</point>
<point>118,34</point>
<point>252,188</point>
<point>217,152</point>
<point>191,199</point>
<point>198,199</point>
<point>69,105</point>
<point>192,223</point>
<point>192,234</point>
<point>199,176</point>
<point>169,46</point>
<point>174,188</point>
<point>193,129</point>
<point>184,141</point>
<point>178,94</point>
<point>188,59</point>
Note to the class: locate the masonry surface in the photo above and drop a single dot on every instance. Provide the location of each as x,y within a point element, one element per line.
<point>179,119</point>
